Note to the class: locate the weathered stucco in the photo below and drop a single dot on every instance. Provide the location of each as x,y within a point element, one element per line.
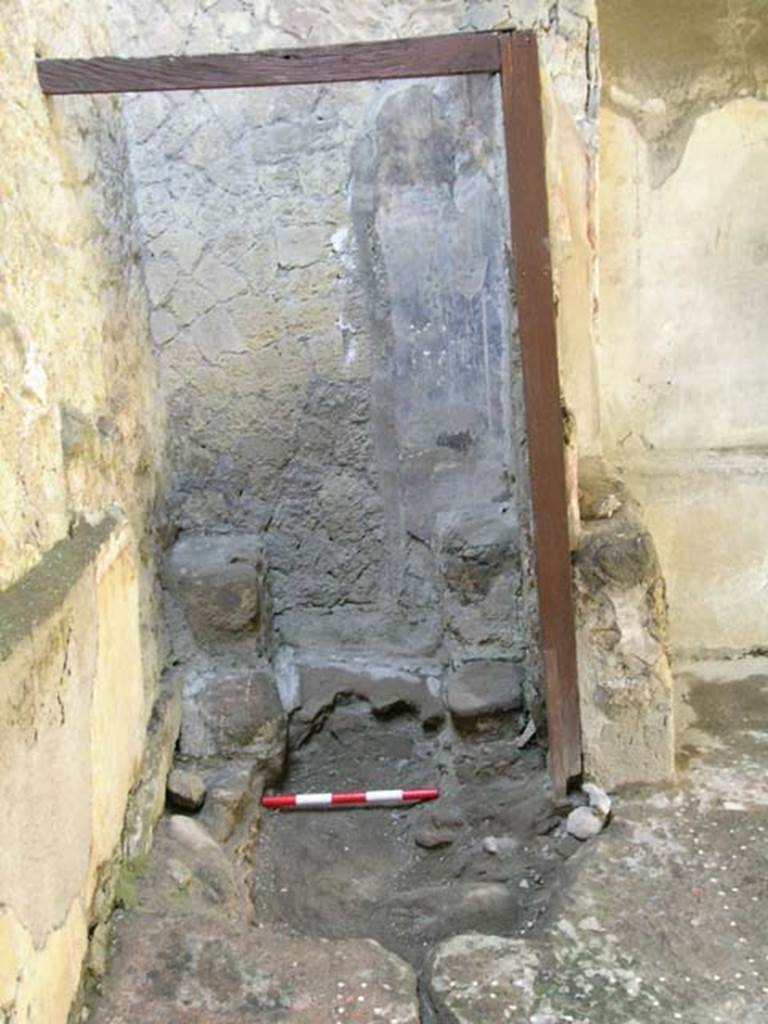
<point>71,738</point>
<point>664,65</point>
<point>684,303</point>
<point>79,651</point>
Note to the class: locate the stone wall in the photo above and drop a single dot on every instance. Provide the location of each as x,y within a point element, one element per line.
<point>329,276</point>
<point>79,652</point>
<point>684,303</point>
<point>625,681</point>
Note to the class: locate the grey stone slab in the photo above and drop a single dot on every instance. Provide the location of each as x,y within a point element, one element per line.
<point>181,970</point>
<point>482,689</point>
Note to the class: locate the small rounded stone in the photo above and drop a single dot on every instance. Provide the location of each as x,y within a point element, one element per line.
<point>584,823</point>
<point>186,790</point>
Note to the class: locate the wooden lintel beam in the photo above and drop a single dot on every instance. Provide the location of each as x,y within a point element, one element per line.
<point>431,56</point>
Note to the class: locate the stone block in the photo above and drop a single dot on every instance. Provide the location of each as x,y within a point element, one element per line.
<point>430,838</point>
<point>233,789</point>
<point>206,971</point>
<point>476,545</point>
<point>484,689</point>
<point>233,713</point>
<point>186,790</point>
<point>617,552</point>
<point>388,691</point>
<point>148,797</point>
<point>187,873</point>
<point>625,682</point>
<point>482,979</point>
<point>221,584</point>
<point>601,493</point>
<point>480,562</point>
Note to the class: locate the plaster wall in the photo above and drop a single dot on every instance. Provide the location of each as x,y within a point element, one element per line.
<point>684,303</point>
<point>72,724</point>
<point>328,270</point>
<point>79,464</point>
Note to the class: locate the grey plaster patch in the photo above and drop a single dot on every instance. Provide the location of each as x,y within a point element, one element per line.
<point>37,595</point>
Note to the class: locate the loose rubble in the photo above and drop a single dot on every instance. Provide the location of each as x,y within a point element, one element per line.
<point>584,823</point>
<point>186,790</point>
<point>587,822</point>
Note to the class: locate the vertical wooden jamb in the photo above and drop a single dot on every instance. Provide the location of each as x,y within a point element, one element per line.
<point>524,140</point>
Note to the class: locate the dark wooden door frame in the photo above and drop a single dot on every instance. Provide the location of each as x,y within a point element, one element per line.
<point>514,56</point>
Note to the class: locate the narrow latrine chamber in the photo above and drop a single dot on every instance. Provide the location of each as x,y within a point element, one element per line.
<point>344,556</point>
<point>349,580</point>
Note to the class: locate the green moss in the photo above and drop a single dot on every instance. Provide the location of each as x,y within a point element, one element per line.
<point>127,884</point>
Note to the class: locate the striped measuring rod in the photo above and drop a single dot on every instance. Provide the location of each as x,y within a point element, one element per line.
<point>369,798</point>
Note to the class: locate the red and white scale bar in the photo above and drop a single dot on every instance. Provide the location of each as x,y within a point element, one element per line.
<point>372,797</point>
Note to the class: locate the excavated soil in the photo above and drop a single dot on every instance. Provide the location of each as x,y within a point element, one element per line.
<point>242,914</point>
<point>482,857</point>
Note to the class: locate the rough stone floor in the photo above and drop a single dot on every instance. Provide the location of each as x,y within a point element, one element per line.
<point>662,918</point>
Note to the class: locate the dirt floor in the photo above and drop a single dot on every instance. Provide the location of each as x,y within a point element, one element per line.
<point>659,919</point>
<point>481,857</point>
